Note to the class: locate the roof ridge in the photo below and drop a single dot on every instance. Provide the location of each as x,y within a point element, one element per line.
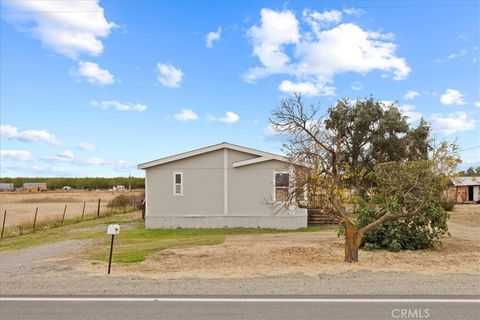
<point>207,149</point>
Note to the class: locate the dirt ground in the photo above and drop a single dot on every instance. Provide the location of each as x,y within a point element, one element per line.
<point>310,254</point>
<point>21,206</point>
<point>289,263</point>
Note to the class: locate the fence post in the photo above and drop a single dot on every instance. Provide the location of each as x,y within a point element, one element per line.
<point>98,208</point>
<point>134,202</point>
<point>64,210</point>
<point>3,224</point>
<point>35,219</point>
<point>111,207</point>
<point>83,211</point>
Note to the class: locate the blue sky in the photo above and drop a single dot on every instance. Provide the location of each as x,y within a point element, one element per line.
<point>92,88</point>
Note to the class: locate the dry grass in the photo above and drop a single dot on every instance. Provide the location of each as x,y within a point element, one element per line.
<point>50,200</point>
<point>466,214</point>
<point>21,206</point>
<point>313,253</point>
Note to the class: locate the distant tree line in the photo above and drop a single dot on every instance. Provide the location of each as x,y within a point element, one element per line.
<point>470,172</point>
<point>80,183</point>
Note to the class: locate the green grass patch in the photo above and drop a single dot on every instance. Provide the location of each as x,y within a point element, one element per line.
<point>134,243</point>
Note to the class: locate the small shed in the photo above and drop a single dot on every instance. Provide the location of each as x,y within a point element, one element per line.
<point>464,190</point>
<point>6,187</point>
<point>34,186</point>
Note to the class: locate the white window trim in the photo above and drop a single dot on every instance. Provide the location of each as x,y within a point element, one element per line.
<point>275,186</point>
<point>175,194</point>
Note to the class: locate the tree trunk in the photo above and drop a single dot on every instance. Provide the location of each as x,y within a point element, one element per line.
<point>352,242</point>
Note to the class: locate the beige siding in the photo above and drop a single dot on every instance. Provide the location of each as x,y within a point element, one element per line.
<point>251,187</point>
<point>202,189</point>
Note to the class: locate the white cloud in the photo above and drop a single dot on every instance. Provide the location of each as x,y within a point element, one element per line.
<point>94,74</point>
<point>70,28</point>
<point>353,11</point>
<point>169,76</point>
<point>274,131</point>
<point>229,117</point>
<point>122,166</point>
<point>457,54</point>
<point>388,103</point>
<point>212,37</point>
<point>410,95</point>
<point>319,20</point>
<point>276,30</point>
<point>67,154</point>
<point>408,110</point>
<point>477,104</point>
<point>306,88</point>
<point>316,60</point>
<point>357,86</point>
<point>95,161</point>
<point>452,96</point>
<point>471,157</point>
<point>454,122</point>
<point>34,136</point>
<point>119,106</point>
<point>56,159</point>
<point>8,131</point>
<point>85,146</point>
<point>186,115</point>
<point>18,155</point>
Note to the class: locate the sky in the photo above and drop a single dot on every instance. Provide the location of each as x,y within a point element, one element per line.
<point>93,88</point>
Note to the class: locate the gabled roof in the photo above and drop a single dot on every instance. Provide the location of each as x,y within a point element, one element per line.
<point>262,155</point>
<point>465,181</point>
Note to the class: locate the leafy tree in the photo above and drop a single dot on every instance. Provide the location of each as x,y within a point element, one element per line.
<point>413,192</point>
<point>341,152</point>
<point>372,133</point>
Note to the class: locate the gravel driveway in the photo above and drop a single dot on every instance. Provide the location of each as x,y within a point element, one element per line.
<point>33,261</point>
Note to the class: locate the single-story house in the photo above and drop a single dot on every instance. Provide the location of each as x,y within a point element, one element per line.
<point>464,189</point>
<point>223,185</point>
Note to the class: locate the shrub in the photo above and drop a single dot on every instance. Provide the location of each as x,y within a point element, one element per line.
<point>412,194</point>
<point>447,204</point>
<point>127,200</point>
<point>414,233</point>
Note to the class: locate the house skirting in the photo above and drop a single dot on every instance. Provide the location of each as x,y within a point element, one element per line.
<point>275,221</point>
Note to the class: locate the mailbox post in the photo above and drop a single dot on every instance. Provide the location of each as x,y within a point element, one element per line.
<point>112,229</point>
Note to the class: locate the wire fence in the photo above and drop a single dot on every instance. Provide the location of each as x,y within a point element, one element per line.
<point>70,213</point>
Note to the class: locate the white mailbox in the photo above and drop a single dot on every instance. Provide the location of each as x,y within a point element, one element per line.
<point>113,229</point>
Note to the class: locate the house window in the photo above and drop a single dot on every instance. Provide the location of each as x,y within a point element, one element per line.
<point>178,183</point>
<point>281,186</point>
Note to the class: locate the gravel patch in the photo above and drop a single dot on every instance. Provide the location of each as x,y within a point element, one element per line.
<point>23,262</point>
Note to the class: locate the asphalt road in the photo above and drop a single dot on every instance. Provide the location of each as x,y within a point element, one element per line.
<point>240,307</point>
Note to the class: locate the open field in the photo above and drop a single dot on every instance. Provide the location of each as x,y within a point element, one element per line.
<point>21,206</point>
